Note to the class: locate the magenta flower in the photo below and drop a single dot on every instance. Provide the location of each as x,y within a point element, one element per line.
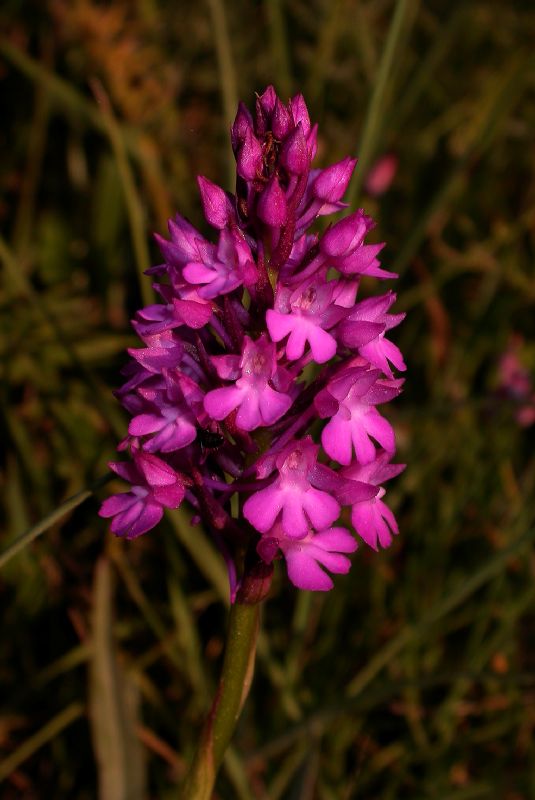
<point>303,315</point>
<point>293,494</point>
<point>250,350</point>
<point>516,383</point>
<point>343,246</point>
<point>155,486</point>
<point>305,557</point>
<point>352,396</point>
<point>377,350</point>
<point>222,270</point>
<point>167,418</point>
<point>186,244</point>
<point>175,314</point>
<point>381,175</point>
<point>371,518</point>
<point>257,402</point>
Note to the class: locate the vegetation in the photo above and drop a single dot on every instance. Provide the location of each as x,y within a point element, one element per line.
<point>415,677</point>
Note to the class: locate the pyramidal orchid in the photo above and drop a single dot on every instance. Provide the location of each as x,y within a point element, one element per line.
<point>255,395</point>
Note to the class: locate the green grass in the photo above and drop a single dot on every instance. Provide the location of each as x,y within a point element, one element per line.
<point>415,677</point>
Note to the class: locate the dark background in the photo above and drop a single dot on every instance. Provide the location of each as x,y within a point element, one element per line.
<point>414,678</point>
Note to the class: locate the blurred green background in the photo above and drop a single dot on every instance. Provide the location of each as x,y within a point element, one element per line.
<point>415,677</point>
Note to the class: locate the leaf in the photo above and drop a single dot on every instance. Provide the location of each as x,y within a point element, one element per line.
<point>113,703</point>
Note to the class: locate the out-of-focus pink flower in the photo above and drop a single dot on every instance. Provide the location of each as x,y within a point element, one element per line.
<point>381,175</point>
<point>516,382</point>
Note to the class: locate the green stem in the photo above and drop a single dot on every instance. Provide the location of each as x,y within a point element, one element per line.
<point>234,685</point>
<point>227,74</point>
<point>279,47</point>
<point>372,123</point>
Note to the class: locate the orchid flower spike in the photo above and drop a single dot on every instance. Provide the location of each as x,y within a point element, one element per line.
<point>259,342</point>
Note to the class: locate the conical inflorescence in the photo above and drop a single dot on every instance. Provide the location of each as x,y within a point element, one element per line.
<point>261,371</point>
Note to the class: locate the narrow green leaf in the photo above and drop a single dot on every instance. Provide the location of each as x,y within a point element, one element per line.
<point>227,73</point>
<point>113,701</point>
<point>447,604</point>
<point>166,637</point>
<point>404,11</point>
<point>234,767</point>
<point>46,734</point>
<point>18,282</point>
<point>134,207</point>
<point>202,551</point>
<point>511,85</point>
<point>28,536</point>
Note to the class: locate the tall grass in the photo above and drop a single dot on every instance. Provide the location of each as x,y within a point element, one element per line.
<point>415,677</point>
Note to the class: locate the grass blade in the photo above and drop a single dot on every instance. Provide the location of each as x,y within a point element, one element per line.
<point>113,702</point>
<point>279,48</point>
<point>131,197</point>
<point>403,11</point>
<point>43,525</point>
<point>48,732</point>
<point>227,73</point>
<point>411,633</point>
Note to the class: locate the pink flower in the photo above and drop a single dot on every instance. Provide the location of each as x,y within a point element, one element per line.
<point>223,388</point>
<point>167,418</point>
<point>381,175</point>
<point>516,382</point>
<point>372,519</point>
<point>155,486</point>
<point>223,270</point>
<point>303,315</point>
<point>378,350</point>
<point>305,557</point>
<point>257,402</point>
<point>343,246</point>
<point>293,494</point>
<point>176,313</point>
<point>350,400</point>
<point>164,351</point>
<point>186,245</point>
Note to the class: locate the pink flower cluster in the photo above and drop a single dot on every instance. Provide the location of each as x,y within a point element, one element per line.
<point>257,343</point>
<point>516,383</point>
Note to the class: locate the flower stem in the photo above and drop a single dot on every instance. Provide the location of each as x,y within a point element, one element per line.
<point>234,685</point>
<point>404,11</point>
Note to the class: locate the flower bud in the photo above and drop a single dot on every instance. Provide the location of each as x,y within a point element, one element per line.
<point>249,158</point>
<point>265,104</point>
<point>300,113</point>
<point>242,123</point>
<point>281,122</point>
<point>216,204</point>
<point>332,182</point>
<point>345,235</point>
<point>272,207</point>
<point>294,153</point>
